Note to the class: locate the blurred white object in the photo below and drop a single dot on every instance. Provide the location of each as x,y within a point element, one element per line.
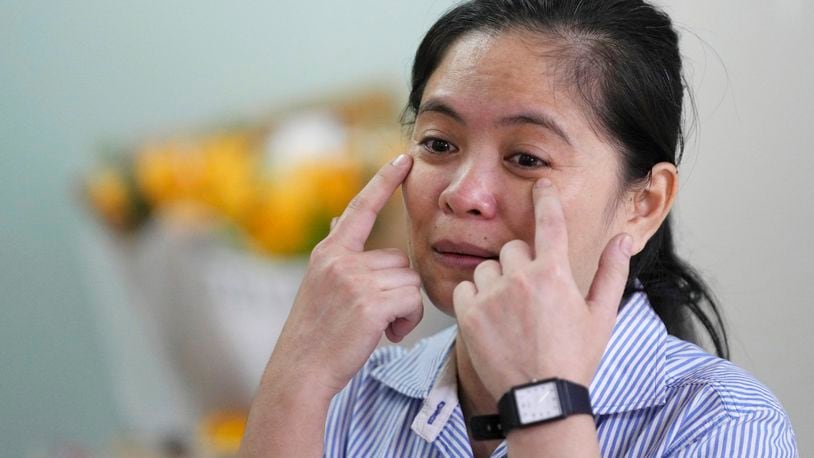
<point>205,315</point>
<point>196,325</point>
<point>308,135</point>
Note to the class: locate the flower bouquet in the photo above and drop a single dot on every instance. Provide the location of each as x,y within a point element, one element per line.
<point>209,234</point>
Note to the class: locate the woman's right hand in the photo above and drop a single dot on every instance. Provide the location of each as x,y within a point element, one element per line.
<point>349,296</point>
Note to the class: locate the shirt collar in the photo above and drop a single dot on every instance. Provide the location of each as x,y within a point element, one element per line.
<point>414,373</point>
<point>631,374</point>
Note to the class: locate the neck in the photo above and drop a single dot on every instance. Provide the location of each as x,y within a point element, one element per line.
<point>473,397</point>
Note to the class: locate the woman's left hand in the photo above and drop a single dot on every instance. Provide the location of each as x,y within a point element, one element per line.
<point>524,318</point>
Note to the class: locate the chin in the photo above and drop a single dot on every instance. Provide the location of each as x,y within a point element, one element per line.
<point>441,297</point>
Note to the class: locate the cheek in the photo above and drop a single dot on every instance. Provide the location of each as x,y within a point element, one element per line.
<point>588,234</point>
<point>421,191</point>
<point>519,215</point>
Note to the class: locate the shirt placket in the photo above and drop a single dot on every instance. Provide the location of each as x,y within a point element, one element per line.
<point>452,440</point>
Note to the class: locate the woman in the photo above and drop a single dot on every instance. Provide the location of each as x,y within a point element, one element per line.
<point>538,184</point>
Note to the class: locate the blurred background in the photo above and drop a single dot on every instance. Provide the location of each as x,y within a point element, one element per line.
<point>164,167</point>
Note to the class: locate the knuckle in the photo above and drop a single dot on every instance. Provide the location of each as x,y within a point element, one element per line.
<point>458,294</point>
<point>414,280</point>
<point>400,259</point>
<point>333,267</point>
<point>487,266</point>
<point>419,310</point>
<point>469,319</point>
<point>354,286</point>
<point>461,288</point>
<point>414,300</point>
<point>403,259</point>
<point>513,246</point>
<point>321,249</point>
<point>368,308</point>
<point>481,268</point>
<point>521,281</point>
<point>341,268</point>
<point>553,271</point>
<point>359,202</point>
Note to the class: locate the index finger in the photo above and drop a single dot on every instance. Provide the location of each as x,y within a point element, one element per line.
<point>353,227</point>
<point>550,232</point>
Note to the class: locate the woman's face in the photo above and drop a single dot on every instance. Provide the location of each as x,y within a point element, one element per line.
<point>496,116</point>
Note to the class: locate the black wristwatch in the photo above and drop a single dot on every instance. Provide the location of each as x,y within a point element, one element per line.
<point>531,404</point>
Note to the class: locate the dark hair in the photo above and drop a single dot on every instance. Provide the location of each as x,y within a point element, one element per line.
<point>622,57</point>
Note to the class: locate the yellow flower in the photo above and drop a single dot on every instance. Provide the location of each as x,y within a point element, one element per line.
<point>167,172</point>
<point>335,184</point>
<point>294,210</point>
<point>108,193</point>
<point>279,223</point>
<point>229,174</point>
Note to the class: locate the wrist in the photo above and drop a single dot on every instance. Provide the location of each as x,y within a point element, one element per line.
<point>574,436</point>
<point>530,404</point>
<point>288,384</point>
<point>286,419</point>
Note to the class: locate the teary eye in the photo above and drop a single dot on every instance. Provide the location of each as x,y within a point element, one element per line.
<point>528,161</point>
<point>437,145</point>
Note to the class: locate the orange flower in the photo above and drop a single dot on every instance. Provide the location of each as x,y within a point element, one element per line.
<point>222,431</point>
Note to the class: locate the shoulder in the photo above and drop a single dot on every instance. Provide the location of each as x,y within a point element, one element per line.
<point>730,390</point>
<point>721,407</point>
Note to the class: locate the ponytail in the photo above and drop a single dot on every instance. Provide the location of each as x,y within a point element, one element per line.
<point>676,291</point>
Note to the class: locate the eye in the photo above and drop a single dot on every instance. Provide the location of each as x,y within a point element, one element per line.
<point>437,145</point>
<point>528,161</point>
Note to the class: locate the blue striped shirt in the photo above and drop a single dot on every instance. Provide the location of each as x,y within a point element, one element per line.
<point>653,395</point>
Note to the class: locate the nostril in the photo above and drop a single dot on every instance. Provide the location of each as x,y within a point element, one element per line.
<point>474,212</point>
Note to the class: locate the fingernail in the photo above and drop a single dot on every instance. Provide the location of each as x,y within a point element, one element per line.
<point>542,183</point>
<point>400,160</point>
<point>627,245</point>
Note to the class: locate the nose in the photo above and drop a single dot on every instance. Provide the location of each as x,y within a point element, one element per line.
<point>471,192</point>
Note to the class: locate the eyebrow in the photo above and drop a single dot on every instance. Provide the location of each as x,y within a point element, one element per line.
<point>532,117</point>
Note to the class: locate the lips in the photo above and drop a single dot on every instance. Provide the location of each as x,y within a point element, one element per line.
<point>460,254</point>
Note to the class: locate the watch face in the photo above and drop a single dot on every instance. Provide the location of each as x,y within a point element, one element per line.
<point>537,402</point>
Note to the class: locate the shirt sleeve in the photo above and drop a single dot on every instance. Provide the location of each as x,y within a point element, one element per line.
<point>340,413</point>
<point>760,433</point>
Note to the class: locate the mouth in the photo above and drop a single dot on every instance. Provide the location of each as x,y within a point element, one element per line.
<point>461,255</point>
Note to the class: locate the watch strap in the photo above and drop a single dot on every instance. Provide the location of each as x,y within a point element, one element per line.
<point>486,427</point>
<point>574,399</point>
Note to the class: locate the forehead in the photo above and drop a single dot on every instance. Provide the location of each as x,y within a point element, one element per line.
<point>488,76</point>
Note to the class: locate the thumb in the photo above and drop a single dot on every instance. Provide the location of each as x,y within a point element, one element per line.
<point>611,276</point>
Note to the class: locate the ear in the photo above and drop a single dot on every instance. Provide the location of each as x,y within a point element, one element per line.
<point>648,206</point>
